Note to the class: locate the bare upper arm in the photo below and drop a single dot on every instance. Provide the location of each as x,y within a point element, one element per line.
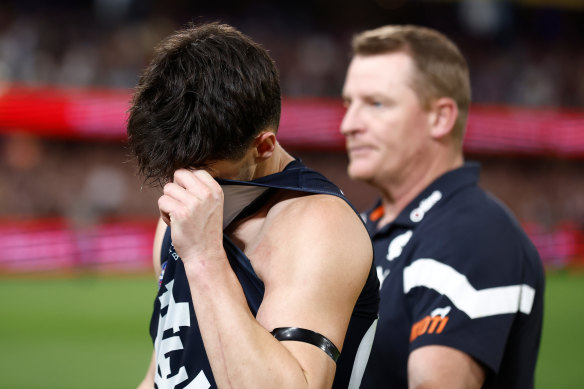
<point>319,259</point>
<point>148,381</point>
<point>157,246</point>
<point>443,367</point>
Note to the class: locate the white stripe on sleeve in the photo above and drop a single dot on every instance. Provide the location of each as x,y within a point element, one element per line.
<point>429,273</point>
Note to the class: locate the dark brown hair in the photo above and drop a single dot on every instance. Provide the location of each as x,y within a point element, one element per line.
<point>204,97</point>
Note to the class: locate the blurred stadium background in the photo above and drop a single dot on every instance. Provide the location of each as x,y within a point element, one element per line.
<point>76,224</point>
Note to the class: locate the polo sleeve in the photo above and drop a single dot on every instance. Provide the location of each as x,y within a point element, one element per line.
<point>463,286</point>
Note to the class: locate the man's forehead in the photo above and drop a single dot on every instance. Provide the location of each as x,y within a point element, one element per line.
<point>377,73</point>
<point>381,64</point>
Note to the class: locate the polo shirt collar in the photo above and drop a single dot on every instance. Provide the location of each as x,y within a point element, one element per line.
<point>442,188</point>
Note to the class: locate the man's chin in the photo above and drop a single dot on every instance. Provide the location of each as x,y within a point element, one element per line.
<point>357,173</point>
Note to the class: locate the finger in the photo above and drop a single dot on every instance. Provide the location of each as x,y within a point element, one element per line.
<point>188,180</point>
<point>198,182</point>
<point>210,183</point>
<point>170,209</point>
<point>177,192</point>
<point>205,177</point>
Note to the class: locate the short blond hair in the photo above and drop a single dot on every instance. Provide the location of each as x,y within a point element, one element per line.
<point>440,68</point>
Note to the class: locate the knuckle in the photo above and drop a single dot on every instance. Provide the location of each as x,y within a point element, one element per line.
<point>161,201</point>
<point>216,189</point>
<point>204,193</point>
<point>179,214</point>
<point>178,174</point>
<point>219,193</point>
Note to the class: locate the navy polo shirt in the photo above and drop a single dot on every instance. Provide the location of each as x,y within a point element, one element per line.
<point>456,269</point>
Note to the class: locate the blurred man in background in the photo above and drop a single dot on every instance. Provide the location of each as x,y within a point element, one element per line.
<point>252,245</point>
<point>461,284</point>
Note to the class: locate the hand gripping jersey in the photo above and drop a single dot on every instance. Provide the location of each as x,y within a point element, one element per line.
<point>456,270</point>
<point>180,355</point>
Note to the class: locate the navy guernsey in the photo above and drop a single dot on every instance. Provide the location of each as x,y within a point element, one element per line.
<point>180,354</point>
<point>456,270</point>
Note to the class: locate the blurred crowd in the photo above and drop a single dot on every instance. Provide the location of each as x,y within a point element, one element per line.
<point>89,181</point>
<point>517,55</point>
<point>88,184</point>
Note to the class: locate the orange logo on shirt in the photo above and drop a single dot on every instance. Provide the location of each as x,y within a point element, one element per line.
<point>431,324</point>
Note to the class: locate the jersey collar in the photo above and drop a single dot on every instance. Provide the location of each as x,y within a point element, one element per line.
<point>433,196</point>
<point>245,197</point>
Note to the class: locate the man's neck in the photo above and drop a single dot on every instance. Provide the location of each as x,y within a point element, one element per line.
<point>395,196</point>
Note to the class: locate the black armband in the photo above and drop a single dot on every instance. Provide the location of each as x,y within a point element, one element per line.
<point>307,336</point>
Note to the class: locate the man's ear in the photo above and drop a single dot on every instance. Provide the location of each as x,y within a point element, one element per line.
<point>265,143</point>
<point>444,113</point>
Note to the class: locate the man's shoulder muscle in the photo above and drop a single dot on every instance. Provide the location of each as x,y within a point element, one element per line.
<point>321,227</point>
<point>327,218</point>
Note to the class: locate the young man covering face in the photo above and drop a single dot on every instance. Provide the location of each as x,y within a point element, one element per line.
<point>270,294</point>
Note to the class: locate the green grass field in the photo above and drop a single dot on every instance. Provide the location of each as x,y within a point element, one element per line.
<point>92,332</point>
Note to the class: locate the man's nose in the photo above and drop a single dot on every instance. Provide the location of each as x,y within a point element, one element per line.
<point>351,121</point>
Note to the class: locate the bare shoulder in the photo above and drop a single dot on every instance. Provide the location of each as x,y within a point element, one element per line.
<point>326,225</point>
<point>320,211</point>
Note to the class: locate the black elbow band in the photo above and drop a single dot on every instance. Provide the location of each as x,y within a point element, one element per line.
<point>307,336</point>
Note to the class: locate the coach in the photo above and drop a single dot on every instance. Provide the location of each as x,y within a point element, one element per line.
<point>461,284</point>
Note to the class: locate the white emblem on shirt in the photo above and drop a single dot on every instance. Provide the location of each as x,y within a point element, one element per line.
<point>417,214</point>
<point>397,245</point>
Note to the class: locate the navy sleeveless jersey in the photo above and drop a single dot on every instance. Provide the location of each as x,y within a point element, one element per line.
<point>180,354</point>
<point>456,270</point>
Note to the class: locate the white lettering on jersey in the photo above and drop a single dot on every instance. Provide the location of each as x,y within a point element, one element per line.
<point>381,275</point>
<point>417,214</point>
<point>177,316</point>
<point>172,252</point>
<point>397,245</point>
<point>200,382</point>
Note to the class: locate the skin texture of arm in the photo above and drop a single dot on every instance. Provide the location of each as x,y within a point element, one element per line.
<point>313,256</point>
<point>436,367</point>
<point>148,381</point>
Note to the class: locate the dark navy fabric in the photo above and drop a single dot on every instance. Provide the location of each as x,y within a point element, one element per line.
<point>456,269</point>
<point>190,354</point>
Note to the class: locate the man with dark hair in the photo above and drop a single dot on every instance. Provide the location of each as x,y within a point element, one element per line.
<point>266,272</point>
<point>461,284</point>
